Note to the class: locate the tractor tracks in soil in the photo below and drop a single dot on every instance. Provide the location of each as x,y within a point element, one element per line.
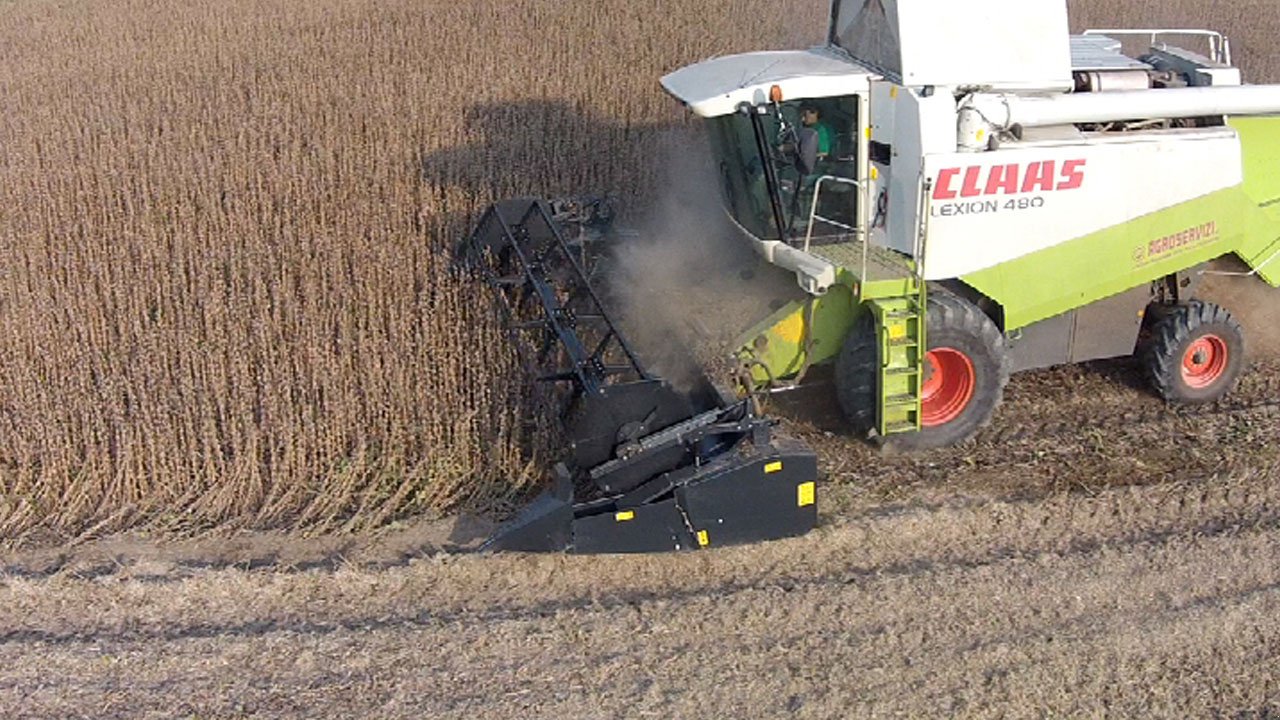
<point>1256,395</point>
<point>904,543</point>
<point>916,568</point>
<point>1077,430</point>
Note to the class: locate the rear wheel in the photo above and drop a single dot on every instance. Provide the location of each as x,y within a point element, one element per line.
<point>964,374</point>
<point>1194,354</point>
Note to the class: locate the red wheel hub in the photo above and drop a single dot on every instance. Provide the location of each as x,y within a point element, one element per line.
<point>948,387</point>
<point>1205,362</point>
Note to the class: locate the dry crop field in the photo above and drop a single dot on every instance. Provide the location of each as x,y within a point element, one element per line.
<point>227,294</point>
<point>228,304</point>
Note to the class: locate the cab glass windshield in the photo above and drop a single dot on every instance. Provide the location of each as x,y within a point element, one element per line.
<point>773,186</point>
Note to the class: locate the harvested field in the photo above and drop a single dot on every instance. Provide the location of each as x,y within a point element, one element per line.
<point>1156,601</point>
<point>231,316</point>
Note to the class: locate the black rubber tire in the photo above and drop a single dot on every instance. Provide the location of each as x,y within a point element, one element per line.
<point>952,323</point>
<point>1171,337</point>
<point>856,375</point>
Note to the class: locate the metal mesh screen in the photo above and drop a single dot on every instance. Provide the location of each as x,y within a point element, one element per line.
<point>868,30</point>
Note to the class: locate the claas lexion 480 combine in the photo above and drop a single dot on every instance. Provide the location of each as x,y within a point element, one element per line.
<point>961,192</point>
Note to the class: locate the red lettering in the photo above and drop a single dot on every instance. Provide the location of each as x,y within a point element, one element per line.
<point>944,191</point>
<point>1072,175</point>
<point>1039,176</point>
<point>1179,240</point>
<point>1010,179</point>
<point>970,187</point>
<point>1003,178</point>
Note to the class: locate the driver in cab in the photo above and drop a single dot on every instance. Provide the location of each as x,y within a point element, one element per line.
<point>813,139</point>
<point>810,143</point>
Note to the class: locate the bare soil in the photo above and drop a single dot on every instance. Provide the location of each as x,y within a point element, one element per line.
<point>1092,554</point>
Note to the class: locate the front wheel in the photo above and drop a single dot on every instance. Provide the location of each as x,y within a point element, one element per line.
<point>1194,354</point>
<point>964,374</point>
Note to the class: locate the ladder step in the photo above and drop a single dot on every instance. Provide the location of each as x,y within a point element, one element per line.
<point>902,322</point>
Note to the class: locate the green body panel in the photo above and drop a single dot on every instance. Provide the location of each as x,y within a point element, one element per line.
<point>1119,258</point>
<point>812,331</point>
<point>801,333</point>
<point>1243,220</point>
<point>1260,140</point>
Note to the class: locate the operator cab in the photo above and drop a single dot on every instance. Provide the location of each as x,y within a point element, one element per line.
<point>787,133</point>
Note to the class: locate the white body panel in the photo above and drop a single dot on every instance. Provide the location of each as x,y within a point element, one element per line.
<point>1005,44</point>
<point>717,87</point>
<point>990,208</point>
<point>814,274</point>
<point>923,126</point>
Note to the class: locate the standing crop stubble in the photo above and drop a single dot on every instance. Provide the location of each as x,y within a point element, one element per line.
<point>228,292</point>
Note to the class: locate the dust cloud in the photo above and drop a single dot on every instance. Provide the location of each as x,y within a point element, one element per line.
<point>1253,302</point>
<point>689,284</point>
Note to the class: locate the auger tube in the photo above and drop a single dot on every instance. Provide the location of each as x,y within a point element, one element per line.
<point>1004,111</point>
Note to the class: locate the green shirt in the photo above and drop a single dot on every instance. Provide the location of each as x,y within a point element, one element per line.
<point>824,139</point>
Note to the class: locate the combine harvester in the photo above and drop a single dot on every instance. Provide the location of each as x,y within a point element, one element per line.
<point>961,192</point>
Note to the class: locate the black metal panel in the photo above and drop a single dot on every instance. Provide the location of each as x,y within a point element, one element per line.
<point>657,487</point>
<point>652,528</point>
<point>1110,327</point>
<point>767,496</point>
<point>650,459</point>
<point>545,525</point>
<point>1043,344</point>
<point>618,414</point>
<point>868,30</point>
<point>690,443</point>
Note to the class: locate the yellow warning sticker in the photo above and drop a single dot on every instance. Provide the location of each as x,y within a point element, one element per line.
<point>773,467</point>
<point>790,330</point>
<point>703,539</point>
<point>806,494</point>
<point>625,515</point>
<point>897,332</point>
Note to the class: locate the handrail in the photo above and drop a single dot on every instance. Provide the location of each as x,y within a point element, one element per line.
<point>1219,44</point>
<point>922,228</point>
<point>813,208</point>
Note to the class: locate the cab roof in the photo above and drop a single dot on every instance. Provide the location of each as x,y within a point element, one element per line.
<point>717,87</point>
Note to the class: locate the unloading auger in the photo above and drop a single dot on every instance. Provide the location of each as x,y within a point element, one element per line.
<point>651,467</point>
